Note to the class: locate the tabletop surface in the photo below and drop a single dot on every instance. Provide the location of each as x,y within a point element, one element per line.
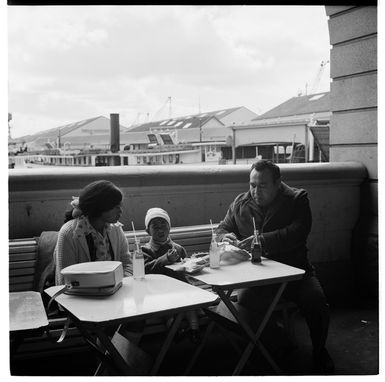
<point>155,295</point>
<point>245,274</point>
<point>26,311</point>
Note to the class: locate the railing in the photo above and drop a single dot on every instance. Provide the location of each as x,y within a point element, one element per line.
<point>160,149</point>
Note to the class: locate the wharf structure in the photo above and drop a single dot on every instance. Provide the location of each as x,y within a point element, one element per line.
<point>218,137</point>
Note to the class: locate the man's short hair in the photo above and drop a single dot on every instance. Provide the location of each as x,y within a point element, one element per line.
<point>264,164</point>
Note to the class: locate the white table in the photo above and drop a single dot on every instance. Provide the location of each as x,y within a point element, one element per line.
<point>27,316</point>
<point>26,311</point>
<point>155,296</point>
<point>243,275</point>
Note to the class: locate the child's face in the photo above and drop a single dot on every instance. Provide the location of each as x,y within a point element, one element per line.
<point>159,229</point>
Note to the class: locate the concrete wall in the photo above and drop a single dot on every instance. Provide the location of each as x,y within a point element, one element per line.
<point>353,69</point>
<point>271,134</point>
<point>216,133</point>
<point>353,130</point>
<point>192,194</point>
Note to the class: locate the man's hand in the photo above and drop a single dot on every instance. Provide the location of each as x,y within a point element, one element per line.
<point>230,238</point>
<point>246,243</point>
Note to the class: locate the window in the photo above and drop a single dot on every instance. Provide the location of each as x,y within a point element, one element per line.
<point>267,152</point>
<point>318,96</point>
<point>187,125</point>
<point>244,152</point>
<point>167,140</point>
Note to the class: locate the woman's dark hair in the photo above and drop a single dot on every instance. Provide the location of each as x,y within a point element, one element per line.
<point>265,164</point>
<point>96,198</point>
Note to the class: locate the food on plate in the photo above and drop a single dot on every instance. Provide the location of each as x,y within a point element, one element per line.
<point>231,254</point>
<point>196,262</point>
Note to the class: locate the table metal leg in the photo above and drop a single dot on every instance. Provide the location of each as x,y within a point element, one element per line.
<point>270,309</point>
<point>206,335</point>
<point>250,334</point>
<point>105,357</point>
<point>253,337</point>
<point>121,364</point>
<point>166,343</point>
<point>15,341</point>
<point>111,354</point>
<point>198,350</point>
<point>102,343</point>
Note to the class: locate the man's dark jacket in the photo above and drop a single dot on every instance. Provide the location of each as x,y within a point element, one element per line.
<point>285,225</point>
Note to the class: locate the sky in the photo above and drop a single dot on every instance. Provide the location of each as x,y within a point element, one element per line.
<point>67,64</point>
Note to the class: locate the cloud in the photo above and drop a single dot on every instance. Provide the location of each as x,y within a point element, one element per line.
<point>78,62</point>
<point>132,45</point>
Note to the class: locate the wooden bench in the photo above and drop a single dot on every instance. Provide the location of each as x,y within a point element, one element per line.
<point>22,266</point>
<point>23,252</point>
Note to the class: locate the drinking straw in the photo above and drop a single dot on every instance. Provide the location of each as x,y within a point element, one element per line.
<point>136,240</point>
<point>254,225</point>
<point>133,228</point>
<point>212,229</point>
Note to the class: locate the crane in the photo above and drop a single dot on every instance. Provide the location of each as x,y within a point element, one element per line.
<point>158,113</point>
<point>317,80</point>
<point>9,126</point>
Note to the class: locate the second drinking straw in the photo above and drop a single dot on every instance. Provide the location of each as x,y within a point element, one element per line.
<point>212,229</point>
<point>136,240</point>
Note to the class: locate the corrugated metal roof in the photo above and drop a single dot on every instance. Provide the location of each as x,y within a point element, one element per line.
<point>192,118</point>
<point>314,103</point>
<point>64,129</point>
<point>52,134</point>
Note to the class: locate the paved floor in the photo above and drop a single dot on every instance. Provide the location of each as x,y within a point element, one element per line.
<point>353,343</point>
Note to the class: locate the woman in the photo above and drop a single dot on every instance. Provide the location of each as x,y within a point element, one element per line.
<point>92,231</point>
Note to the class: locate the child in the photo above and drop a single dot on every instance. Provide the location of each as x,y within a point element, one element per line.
<point>161,251</point>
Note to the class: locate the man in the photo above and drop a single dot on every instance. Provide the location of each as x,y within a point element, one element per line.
<point>283,218</point>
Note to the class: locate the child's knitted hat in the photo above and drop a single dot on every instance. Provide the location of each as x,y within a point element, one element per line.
<point>156,212</point>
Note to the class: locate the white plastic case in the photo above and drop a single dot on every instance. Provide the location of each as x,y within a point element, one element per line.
<point>93,278</point>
